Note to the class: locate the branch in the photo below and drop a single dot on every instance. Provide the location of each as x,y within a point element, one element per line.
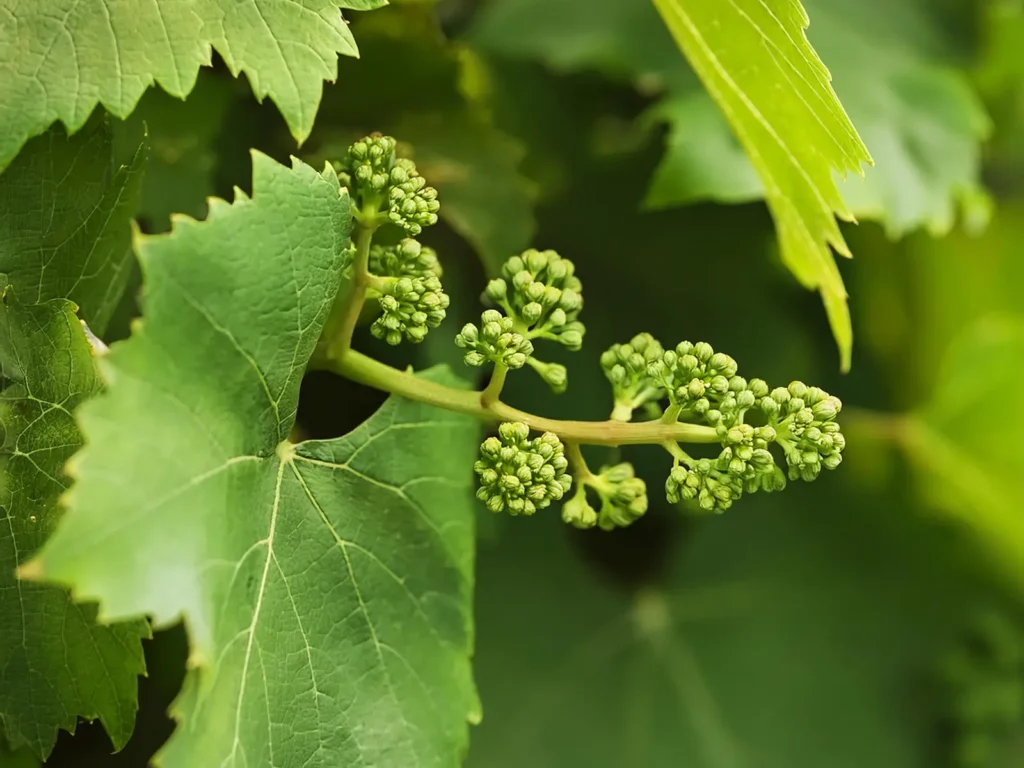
<point>365,370</point>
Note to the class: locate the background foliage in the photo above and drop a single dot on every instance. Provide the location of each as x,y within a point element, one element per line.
<point>875,618</point>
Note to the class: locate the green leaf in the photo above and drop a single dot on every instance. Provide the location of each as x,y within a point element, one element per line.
<point>326,585</point>
<point>703,160</point>
<point>183,156</point>
<point>58,664</point>
<point>622,38</point>
<point>60,58</point>
<point>755,61</point>
<point>20,758</point>
<point>921,119</point>
<point>785,636</point>
<point>65,208</point>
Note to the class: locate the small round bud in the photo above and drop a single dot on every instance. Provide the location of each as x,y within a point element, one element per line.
<point>497,290</point>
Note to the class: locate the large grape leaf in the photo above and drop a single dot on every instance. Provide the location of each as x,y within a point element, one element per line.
<point>326,585</point>
<point>58,665</point>
<point>791,634</point>
<point>60,58</point>
<point>65,208</point>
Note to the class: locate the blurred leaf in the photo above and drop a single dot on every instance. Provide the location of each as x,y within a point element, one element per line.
<point>792,633</point>
<point>409,83</point>
<point>65,208</point>
<point>183,158</point>
<point>622,38</point>
<point>69,667</point>
<point>703,160</point>
<point>19,758</point>
<point>961,358</point>
<point>921,120</point>
<point>476,171</point>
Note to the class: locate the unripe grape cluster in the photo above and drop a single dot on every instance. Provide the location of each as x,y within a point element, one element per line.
<point>625,367</point>
<point>410,306</point>
<point>540,288</point>
<point>703,387</point>
<point>520,475</point>
<point>407,259</point>
<point>405,278</point>
<point>381,181</point>
<point>496,341</point>
<point>539,296</point>
<point>623,498</point>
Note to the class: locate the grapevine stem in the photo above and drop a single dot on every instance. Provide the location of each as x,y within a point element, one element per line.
<point>365,370</point>
<point>492,392</point>
<point>341,323</point>
<point>580,470</point>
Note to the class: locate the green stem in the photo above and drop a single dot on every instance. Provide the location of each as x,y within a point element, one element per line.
<point>671,414</point>
<point>372,373</point>
<point>344,315</point>
<point>491,394</point>
<point>622,412</point>
<point>580,470</point>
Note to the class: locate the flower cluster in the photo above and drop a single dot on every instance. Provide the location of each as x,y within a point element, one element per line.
<point>496,340</point>
<point>623,498</point>
<point>703,387</point>
<point>407,259</point>
<point>382,182</point>
<point>625,367</point>
<point>410,306</point>
<point>540,289</point>
<point>521,475</point>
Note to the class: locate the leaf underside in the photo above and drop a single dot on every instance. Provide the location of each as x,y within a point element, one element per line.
<point>326,586</point>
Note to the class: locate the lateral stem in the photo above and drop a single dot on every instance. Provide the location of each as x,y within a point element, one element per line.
<point>492,392</point>
<point>341,324</point>
<point>365,370</point>
<point>580,470</point>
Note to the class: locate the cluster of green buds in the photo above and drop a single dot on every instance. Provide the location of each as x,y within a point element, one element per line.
<point>407,259</point>
<point>496,340</point>
<point>982,679</point>
<point>625,367</point>
<point>520,475</point>
<point>538,297</point>
<point>703,387</point>
<point>405,279</point>
<point>623,498</point>
<point>381,183</point>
